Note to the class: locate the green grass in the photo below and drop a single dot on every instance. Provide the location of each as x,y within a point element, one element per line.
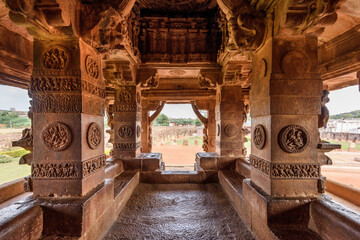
<point>345,145</point>
<point>12,171</point>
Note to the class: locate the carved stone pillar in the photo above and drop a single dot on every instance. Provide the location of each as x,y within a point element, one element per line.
<point>127,122</point>
<point>229,119</point>
<point>285,103</point>
<point>212,126</point>
<point>68,107</point>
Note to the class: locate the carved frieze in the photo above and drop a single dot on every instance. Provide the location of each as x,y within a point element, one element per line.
<point>293,139</point>
<point>91,67</point>
<point>127,146</point>
<point>63,170</point>
<point>55,57</point>
<point>94,135</point>
<point>295,171</point>
<point>260,164</point>
<point>64,84</point>
<point>56,103</point>
<point>57,136</point>
<point>125,132</point>
<point>92,165</point>
<point>67,170</point>
<point>125,108</point>
<point>259,137</point>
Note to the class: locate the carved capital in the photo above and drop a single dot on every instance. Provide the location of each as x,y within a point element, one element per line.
<point>210,78</point>
<point>147,78</point>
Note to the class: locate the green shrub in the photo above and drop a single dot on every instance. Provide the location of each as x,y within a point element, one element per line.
<point>15,153</point>
<point>5,159</point>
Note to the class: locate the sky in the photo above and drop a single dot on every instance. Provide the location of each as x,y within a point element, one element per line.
<point>343,100</point>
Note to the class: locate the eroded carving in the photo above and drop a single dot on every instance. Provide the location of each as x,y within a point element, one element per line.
<point>259,136</point>
<point>127,146</point>
<point>138,131</point>
<point>231,130</point>
<point>57,136</point>
<point>94,135</point>
<point>295,62</point>
<point>125,97</point>
<point>293,139</point>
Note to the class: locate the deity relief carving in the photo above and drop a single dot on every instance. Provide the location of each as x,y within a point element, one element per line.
<point>55,57</point>
<point>125,131</point>
<point>259,137</point>
<point>231,130</point>
<point>293,139</point>
<point>57,136</point>
<point>94,135</point>
<point>295,171</point>
<point>91,67</point>
<point>124,97</point>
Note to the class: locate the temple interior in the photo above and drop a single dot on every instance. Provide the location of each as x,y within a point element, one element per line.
<point>85,60</point>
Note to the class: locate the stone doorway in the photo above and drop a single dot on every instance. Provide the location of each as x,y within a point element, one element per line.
<point>178,134</point>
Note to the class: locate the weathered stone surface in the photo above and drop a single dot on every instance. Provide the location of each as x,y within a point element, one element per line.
<point>192,212</point>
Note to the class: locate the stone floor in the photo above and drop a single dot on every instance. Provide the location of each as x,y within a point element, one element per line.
<point>179,211</point>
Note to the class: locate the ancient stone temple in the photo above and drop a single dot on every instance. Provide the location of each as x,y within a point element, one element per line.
<point>82,60</point>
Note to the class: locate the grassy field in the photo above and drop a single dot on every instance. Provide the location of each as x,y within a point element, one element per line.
<point>345,145</point>
<point>12,171</point>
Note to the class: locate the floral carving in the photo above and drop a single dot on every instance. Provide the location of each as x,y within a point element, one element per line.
<point>125,131</point>
<point>55,57</point>
<point>91,67</point>
<point>57,136</point>
<point>127,146</point>
<point>293,139</point>
<point>259,136</point>
<point>94,135</point>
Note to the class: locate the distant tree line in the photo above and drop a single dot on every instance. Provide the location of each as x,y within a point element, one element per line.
<point>348,115</point>
<point>16,121</point>
<point>163,120</point>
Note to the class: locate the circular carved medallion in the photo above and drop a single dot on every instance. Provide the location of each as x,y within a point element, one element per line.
<point>259,136</point>
<point>138,131</point>
<point>55,57</point>
<point>293,139</point>
<point>231,130</point>
<point>125,131</point>
<point>57,136</point>
<point>294,62</point>
<point>94,135</point>
<point>91,67</point>
<point>124,97</point>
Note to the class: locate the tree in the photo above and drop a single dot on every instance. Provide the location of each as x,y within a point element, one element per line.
<point>162,120</point>
<point>198,122</point>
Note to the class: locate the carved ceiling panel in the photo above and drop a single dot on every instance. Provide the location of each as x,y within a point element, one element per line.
<point>183,6</point>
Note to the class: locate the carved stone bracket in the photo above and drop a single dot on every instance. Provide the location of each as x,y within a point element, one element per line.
<point>147,78</point>
<point>210,78</point>
<point>205,121</point>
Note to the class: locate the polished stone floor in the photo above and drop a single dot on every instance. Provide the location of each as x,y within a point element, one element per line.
<point>179,211</point>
